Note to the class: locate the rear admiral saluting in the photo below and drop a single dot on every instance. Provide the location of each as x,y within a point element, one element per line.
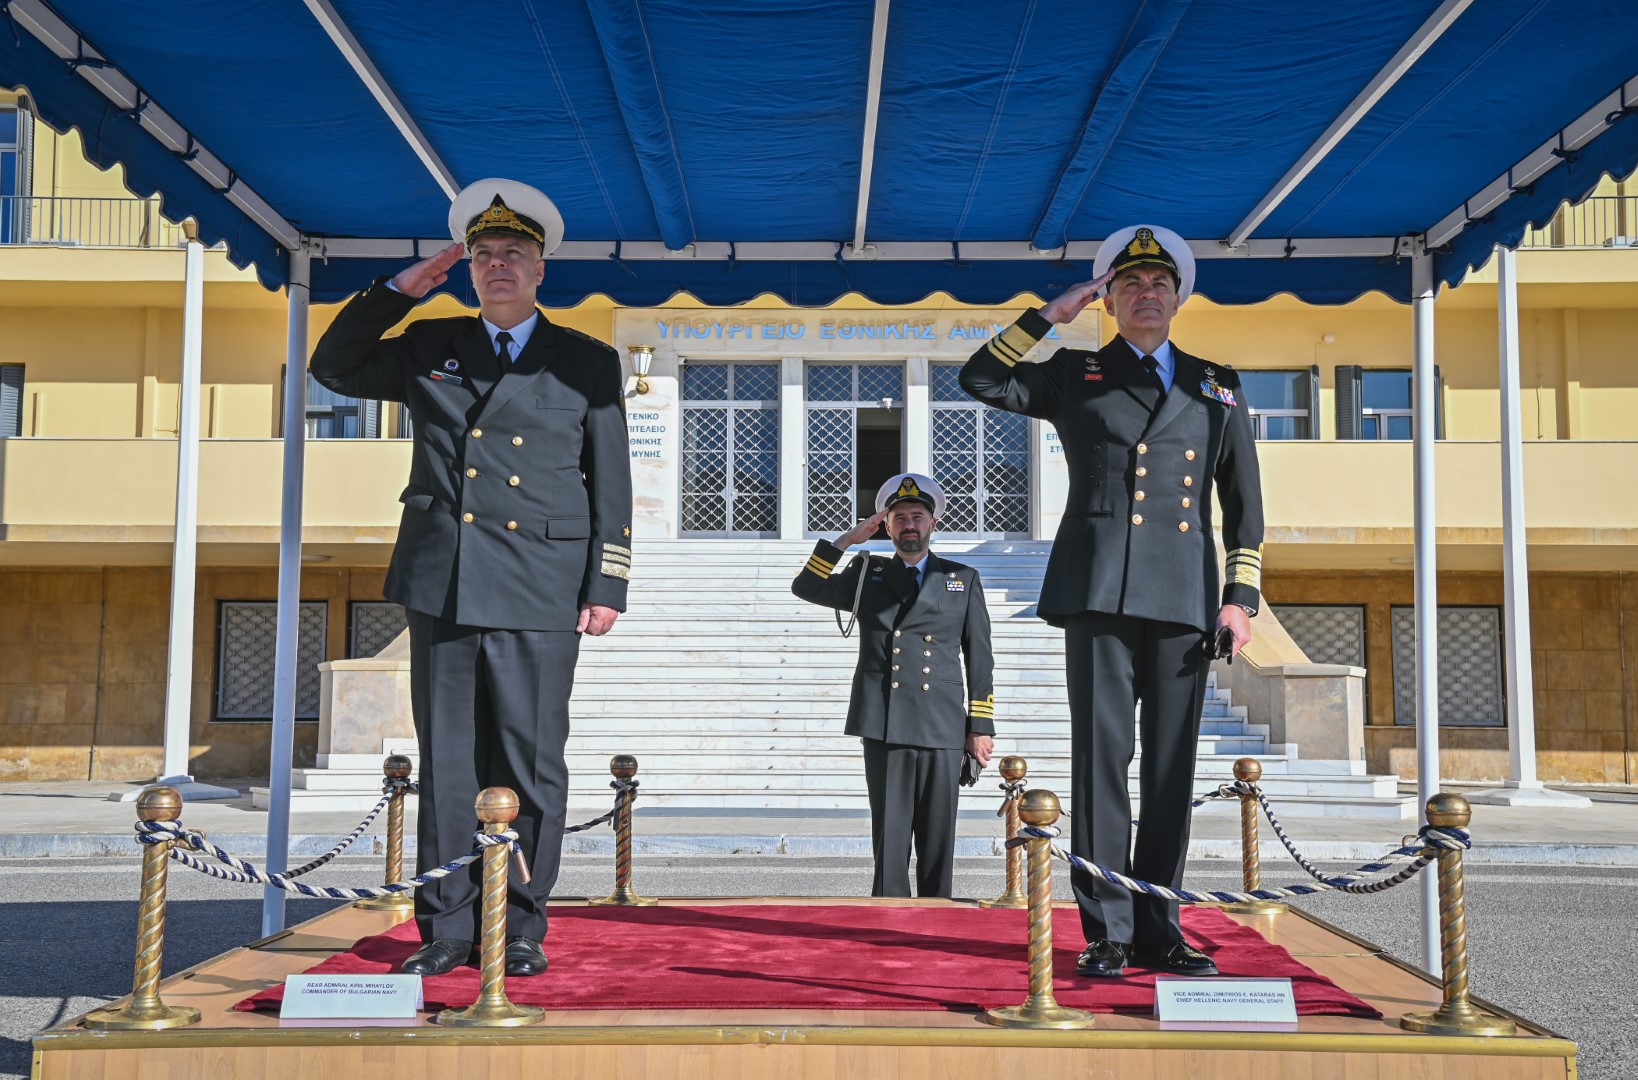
<point>923,691</point>
<point>1150,434</point>
<point>514,541</point>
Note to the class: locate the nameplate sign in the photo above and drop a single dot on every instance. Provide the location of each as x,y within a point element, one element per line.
<point>1260,1002</point>
<point>351,997</point>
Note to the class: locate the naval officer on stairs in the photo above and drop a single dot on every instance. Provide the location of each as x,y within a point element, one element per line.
<point>922,627</point>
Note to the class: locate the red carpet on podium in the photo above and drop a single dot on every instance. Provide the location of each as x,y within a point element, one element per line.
<point>823,956</point>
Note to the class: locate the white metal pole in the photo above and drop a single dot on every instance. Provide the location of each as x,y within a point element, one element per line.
<point>286,646</point>
<point>184,547</point>
<point>1521,704</point>
<point>1522,787</point>
<point>185,543</point>
<point>1426,582</point>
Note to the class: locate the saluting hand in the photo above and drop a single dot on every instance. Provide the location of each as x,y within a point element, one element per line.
<point>428,274</point>
<point>1073,300</point>
<point>861,532</point>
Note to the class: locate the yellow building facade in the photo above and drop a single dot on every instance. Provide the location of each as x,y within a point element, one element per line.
<point>91,289</point>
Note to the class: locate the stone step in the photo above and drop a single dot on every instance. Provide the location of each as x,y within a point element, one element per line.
<point>838,770</point>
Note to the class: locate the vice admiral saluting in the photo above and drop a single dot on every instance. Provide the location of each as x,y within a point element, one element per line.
<point>1150,433</point>
<point>515,539</point>
<point>923,625</point>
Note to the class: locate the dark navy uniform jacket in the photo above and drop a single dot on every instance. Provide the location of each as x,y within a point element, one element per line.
<point>914,647</point>
<point>518,508</point>
<point>1136,536</point>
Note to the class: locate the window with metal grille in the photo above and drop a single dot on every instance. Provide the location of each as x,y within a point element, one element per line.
<point>981,457</point>
<point>246,637</point>
<point>1326,633</point>
<point>730,449</point>
<point>372,625</point>
<point>1469,652</point>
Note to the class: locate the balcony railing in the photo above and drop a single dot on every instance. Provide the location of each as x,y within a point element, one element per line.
<point>113,222</point>
<point>1604,221</point>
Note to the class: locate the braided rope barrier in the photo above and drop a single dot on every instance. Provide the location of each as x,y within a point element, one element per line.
<point>624,791</point>
<point>1433,840</point>
<point>1387,862</point>
<point>245,873</point>
<point>388,787</point>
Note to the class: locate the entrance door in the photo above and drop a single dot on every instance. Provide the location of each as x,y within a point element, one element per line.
<point>854,441</point>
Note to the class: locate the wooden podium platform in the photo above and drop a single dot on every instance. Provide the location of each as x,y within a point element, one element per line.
<point>765,1044</point>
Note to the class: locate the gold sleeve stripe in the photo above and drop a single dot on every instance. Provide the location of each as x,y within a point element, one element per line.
<point>616,549</point>
<point>1245,567</point>
<point>614,569</point>
<point>987,714</point>
<point>819,566</point>
<point>617,561</point>
<point>1012,345</point>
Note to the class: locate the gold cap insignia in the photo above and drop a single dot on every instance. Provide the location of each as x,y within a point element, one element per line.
<point>502,218</point>
<point>908,490</point>
<point>1144,243</point>
<point>1145,250</point>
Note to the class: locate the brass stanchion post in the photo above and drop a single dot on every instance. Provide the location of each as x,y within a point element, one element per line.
<point>1456,1016</point>
<point>623,767</point>
<point>1013,771</point>
<point>1041,1008</point>
<point>396,767</point>
<point>497,808</point>
<point>1249,770</point>
<point>145,1011</point>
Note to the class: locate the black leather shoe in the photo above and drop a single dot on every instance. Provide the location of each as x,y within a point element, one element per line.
<point>524,956</point>
<point>437,957</point>
<point>1178,958</point>
<point>1103,958</point>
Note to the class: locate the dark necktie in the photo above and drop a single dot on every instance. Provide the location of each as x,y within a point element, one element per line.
<point>1152,366</point>
<point>503,350</point>
<point>1150,390</point>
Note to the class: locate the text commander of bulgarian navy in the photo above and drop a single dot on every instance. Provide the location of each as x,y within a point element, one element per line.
<point>515,540</point>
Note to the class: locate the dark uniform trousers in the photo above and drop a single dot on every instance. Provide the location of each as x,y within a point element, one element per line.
<point>918,647</point>
<point>517,511</point>
<point>1133,580</point>
<point>492,709</point>
<point>1113,662</point>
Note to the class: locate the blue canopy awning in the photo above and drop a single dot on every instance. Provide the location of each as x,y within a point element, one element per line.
<point>809,148</point>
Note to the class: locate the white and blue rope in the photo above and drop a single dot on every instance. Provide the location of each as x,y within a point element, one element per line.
<point>245,873</point>
<point>1432,837</point>
<point>624,790</point>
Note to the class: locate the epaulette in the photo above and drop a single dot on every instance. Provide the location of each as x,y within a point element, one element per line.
<point>583,336</point>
